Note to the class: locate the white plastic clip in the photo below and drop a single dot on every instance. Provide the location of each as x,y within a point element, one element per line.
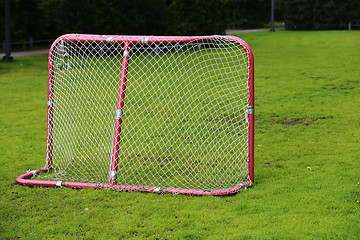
<point>113,175</point>
<point>34,173</point>
<point>50,103</point>
<point>248,111</point>
<point>251,110</point>
<point>59,184</point>
<point>109,39</point>
<point>119,114</point>
<point>160,190</point>
<point>144,40</point>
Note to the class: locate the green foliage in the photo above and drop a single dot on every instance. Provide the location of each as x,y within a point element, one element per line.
<point>44,19</point>
<point>48,19</point>
<point>321,14</point>
<point>306,157</point>
<point>246,14</point>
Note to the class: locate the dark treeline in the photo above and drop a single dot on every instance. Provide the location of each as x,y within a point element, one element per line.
<point>321,14</point>
<point>48,19</point>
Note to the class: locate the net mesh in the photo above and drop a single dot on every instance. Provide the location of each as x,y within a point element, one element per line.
<point>184,121</point>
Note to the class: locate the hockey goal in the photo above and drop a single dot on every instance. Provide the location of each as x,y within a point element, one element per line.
<point>185,125</point>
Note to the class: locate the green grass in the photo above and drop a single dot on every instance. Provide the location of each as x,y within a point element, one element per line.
<point>307,168</point>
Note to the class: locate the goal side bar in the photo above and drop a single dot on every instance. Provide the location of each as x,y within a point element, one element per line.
<point>24,178</point>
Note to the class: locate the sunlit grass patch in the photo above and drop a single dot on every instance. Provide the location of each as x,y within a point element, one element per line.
<point>307,138</point>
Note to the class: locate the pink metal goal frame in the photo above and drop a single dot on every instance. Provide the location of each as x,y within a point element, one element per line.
<point>127,40</point>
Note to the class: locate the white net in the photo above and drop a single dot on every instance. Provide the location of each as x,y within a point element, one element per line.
<point>184,121</point>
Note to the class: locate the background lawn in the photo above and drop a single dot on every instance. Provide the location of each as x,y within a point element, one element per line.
<point>307,159</point>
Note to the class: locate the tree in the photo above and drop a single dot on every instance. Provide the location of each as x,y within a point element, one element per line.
<point>320,14</point>
<point>247,13</point>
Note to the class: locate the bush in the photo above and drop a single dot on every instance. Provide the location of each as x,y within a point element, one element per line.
<point>320,14</point>
<point>43,19</point>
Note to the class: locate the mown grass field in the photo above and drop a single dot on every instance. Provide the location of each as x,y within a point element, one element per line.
<point>307,167</point>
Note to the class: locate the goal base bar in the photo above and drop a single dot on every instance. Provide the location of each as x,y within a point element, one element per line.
<point>24,180</point>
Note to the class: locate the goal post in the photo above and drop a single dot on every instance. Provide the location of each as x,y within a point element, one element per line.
<point>164,114</point>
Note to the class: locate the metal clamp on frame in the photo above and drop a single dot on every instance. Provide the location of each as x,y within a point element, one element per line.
<point>50,103</point>
<point>145,40</point>
<point>113,175</point>
<point>109,39</point>
<point>126,53</point>
<point>251,110</point>
<point>119,114</point>
<point>160,190</point>
<point>34,173</point>
<point>60,184</point>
